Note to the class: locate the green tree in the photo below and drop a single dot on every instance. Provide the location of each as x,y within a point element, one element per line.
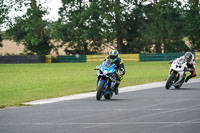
<point>3,16</point>
<point>114,18</point>
<point>118,25</point>
<point>88,25</point>
<point>3,12</point>
<point>82,25</point>
<point>1,45</point>
<point>73,26</point>
<point>193,23</point>
<point>165,27</point>
<point>134,26</point>
<point>30,29</point>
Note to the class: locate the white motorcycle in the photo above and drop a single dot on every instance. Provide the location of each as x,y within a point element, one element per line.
<point>176,74</point>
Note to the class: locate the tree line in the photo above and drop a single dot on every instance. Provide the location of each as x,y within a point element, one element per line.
<point>132,26</point>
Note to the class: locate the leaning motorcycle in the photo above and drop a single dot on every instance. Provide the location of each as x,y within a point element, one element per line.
<point>176,74</point>
<point>106,79</point>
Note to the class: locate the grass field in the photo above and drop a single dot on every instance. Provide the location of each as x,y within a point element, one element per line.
<point>26,82</point>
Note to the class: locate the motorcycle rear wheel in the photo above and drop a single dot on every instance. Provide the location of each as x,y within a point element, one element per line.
<point>170,81</point>
<point>100,88</point>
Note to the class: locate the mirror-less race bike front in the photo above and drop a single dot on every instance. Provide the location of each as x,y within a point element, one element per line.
<point>106,79</point>
<point>176,74</point>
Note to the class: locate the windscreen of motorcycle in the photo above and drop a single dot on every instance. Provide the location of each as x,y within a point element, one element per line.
<point>108,63</point>
<point>180,62</point>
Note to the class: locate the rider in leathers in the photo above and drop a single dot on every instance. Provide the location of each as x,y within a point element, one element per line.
<point>114,57</point>
<point>189,58</point>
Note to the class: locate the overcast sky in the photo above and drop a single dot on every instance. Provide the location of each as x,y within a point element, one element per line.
<point>53,6</point>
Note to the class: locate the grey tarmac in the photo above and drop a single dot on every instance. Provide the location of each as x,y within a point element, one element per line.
<point>154,110</point>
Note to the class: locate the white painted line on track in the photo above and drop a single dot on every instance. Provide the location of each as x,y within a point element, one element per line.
<point>92,94</point>
<point>114,123</point>
<point>196,109</point>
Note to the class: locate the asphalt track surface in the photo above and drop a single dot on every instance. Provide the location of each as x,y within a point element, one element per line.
<point>147,111</point>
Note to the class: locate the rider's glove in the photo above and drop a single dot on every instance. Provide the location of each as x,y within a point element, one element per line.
<point>120,72</point>
<point>97,68</point>
<point>190,69</point>
<point>170,62</point>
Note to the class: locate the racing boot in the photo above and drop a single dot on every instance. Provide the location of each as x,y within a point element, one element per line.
<point>193,74</point>
<point>188,77</point>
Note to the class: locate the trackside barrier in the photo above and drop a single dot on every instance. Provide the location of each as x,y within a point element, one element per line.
<point>95,58</point>
<point>22,59</point>
<point>160,57</point>
<point>73,58</point>
<point>197,55</point>
<point>124,57</point>
<point>130,57</point>
<point>48,58</point>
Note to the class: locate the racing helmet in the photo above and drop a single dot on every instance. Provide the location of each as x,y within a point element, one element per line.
<point>188,56</point>
<point>113,55</point>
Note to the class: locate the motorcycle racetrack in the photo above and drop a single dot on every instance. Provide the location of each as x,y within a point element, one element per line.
<point>154,110</point>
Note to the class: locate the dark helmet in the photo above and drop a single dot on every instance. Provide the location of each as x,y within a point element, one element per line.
<point>114,54</point>
<point>188,56</point>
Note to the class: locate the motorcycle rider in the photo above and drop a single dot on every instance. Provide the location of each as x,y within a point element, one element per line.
<point>189,58</point>
<point>114,57</point>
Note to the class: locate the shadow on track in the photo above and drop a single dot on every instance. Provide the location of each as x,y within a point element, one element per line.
<point>185,89</point>
<point>113,100</point>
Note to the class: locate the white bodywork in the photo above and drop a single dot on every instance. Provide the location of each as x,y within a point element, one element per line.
<point>178,65</point>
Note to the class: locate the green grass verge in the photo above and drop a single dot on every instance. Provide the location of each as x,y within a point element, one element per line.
<point>26,82</point>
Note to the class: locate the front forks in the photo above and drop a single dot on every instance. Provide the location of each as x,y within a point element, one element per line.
<point>105,80</point>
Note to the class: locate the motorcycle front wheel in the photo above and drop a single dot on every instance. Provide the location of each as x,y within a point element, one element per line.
<point>170,81</point>
<point>100,88</point>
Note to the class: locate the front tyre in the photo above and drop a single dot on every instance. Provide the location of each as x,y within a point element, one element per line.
<point>170,81</point>
<point>100,88</point>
